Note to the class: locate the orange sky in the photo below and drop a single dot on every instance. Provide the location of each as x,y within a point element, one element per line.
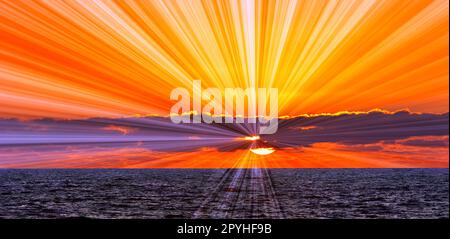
<point>114,58</point>
<point>108,58</point>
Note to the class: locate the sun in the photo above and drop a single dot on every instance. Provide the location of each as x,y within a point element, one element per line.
<point>251,138</point>
<point>262,151</point>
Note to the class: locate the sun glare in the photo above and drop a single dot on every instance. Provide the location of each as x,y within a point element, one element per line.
<point>252,138</point>
<point>262,151</point>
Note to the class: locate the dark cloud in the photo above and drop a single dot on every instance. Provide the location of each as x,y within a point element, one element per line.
<point>159,133</point>
<point>442,142</point>
<point>358,129</point>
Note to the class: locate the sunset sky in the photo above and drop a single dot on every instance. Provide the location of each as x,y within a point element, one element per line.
<point>358,80</point>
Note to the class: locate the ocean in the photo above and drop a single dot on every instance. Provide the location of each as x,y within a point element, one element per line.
<point>224,193</point>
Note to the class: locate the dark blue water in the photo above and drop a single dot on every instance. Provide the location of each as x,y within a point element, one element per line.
<point>238,193</point>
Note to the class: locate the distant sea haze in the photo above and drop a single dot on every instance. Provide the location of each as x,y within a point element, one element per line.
<point>224,193</point>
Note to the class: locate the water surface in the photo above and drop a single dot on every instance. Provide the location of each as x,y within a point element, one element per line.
<point>221,193</point>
